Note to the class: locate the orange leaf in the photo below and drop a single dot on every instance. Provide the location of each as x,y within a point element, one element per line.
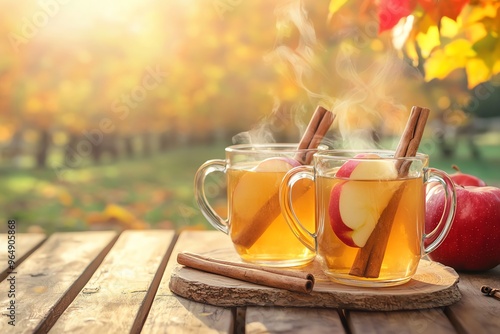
<point>436,9</point>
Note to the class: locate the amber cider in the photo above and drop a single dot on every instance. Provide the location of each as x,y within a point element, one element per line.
<point>403,250</point>
<point>248,192</point>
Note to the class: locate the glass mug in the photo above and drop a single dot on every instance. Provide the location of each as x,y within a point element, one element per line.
<point>254,222</point>
<point>370,219</point>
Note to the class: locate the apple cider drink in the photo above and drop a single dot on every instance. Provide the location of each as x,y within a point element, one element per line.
<point>354,209</point>
<point>258,230</point>
<point>370,212</point>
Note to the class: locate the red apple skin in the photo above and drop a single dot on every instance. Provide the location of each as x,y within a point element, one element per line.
<point>463,179</point>
<point>473,243</point>
<point>349,166</point>
<point>349,170</point>
<point>342,231</point>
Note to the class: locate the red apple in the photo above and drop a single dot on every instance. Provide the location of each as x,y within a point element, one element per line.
<point>473,243</point>
<point>463,179</point>
<point>355,207</point>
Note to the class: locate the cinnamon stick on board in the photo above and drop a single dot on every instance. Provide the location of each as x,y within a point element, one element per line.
<point>369,259</point>
<point>283,279</point>
<point>318,126</point>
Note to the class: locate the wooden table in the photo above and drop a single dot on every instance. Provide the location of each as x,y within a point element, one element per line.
<point>105,282</point>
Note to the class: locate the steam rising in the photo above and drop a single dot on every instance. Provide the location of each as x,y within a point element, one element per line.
<point>299,61</point>
<point>360,95</point>
<point>366,107</point>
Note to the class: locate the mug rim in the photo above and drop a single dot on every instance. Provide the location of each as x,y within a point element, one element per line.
<point>344,154</point>
<point>269,148</point>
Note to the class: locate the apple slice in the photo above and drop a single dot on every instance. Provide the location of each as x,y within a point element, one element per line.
<point>361,168</point>
<point>355,205</point>
<point>278,164</point>
<point>257,186</point>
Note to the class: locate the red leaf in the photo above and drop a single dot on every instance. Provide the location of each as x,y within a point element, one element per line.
<point>436,9</point>
<point>391,11</point>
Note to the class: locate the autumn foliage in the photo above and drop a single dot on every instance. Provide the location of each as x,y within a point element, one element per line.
<point>443,35</point>
<point>86,78</point>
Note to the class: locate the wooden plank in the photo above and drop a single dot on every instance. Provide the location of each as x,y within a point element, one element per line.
<point>475,312</point>
<point>292,320</point>
<point>24,243</point>
<point>417,322</point>
<point>47,281</point>
<point>172,314</point>
<point>117,297</point>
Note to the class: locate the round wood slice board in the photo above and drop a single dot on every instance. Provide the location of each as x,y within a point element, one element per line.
<point>433,285</point>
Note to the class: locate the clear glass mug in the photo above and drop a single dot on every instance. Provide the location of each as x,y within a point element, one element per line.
<point>254,222</point>
<point>370,220</point>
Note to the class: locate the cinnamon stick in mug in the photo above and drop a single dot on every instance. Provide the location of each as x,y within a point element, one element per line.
<point>317,128</point>
<point>369,259</point>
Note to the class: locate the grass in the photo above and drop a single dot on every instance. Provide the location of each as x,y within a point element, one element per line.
<point>141,193</point>
<point>154,192</point>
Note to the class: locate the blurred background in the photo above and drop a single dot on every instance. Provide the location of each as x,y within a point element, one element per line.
<point>108,107</point>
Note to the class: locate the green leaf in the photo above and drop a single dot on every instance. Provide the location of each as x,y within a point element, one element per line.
<point>487,49</point>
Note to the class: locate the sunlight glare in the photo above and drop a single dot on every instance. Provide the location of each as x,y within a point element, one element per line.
<point>75,18</point>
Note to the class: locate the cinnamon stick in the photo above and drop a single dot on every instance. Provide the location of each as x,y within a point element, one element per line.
<point>490,292</point>
<point>283,279</point>
<point>368,261</point>
<point>318,126</point>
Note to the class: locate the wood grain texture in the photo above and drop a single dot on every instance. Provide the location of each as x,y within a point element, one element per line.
<point>52,276</point>
<point>25,244</point>
<point>432,286</point>
<point>477,313</point>
<point>292,320</point>
<point>415,322</point>
<point>120,292</point>
<point>173,314</point>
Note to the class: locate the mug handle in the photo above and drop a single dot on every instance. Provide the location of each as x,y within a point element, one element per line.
<point>449,209</point>
<point>213,218</point>
<point>295,174</point>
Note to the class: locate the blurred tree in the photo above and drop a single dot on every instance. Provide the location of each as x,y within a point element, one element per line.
<point>103,78</point>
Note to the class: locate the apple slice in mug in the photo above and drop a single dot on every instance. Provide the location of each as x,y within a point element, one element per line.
<point>279,164</point>
<point>254,190</point>
<point>357,202</point>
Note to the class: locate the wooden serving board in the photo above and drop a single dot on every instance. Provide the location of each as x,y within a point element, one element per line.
<point>434,285</point>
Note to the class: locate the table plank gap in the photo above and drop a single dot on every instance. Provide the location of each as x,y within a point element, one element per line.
<point>170,313</point>
<point>116,296</point>
<point>239,314</point>
<point>475,312</point>
<point>345,323</point>
<point>415,322</point>
<point>148,301</point>
<point>290,319</point>
<point>48,280</point>
<point>25,244</point>
<point>76,287</point>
